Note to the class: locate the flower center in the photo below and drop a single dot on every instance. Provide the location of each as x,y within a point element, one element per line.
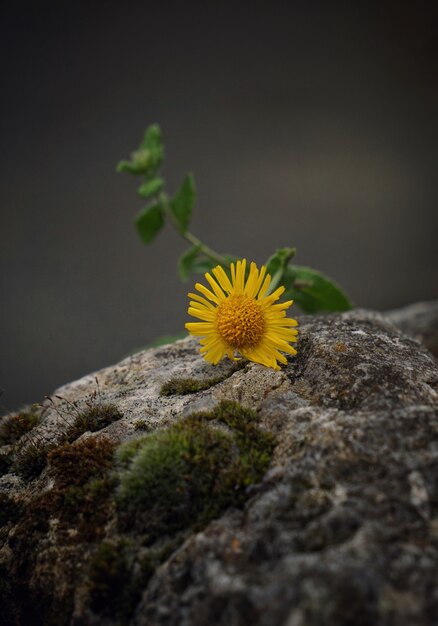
<point>240,322</point>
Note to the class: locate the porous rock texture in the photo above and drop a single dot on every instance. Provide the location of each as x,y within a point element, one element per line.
<point>341,530</point>
<point>420,321</point>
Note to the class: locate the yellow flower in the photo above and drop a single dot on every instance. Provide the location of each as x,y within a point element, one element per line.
<point>237,315</point>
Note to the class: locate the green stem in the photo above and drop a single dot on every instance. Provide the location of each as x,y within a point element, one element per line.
<point>190,237</point>
<point>206,250</point>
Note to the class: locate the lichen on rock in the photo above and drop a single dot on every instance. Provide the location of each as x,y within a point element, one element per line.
<point>302,497</point>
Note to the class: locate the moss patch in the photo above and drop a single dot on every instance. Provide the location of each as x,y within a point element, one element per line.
<point>76,510</point>
<point>184,386</point>
<point>82,491</point>
<point>83,485</point>
<point>163,486</point>
<point>13,427</point>
<point>153,557</point>
<point>32,459</point>
<point>9,509</point>
<point>5,463</point>
<point>187,474</point>
<point>113,590</point>
<point>128,450</point>
<point>143,425</point>
<point>75,464</point>
<point>93,419</point>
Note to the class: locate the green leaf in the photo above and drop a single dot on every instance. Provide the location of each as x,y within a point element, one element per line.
<point>186,262</point>
<point>151,187</point>
<point>152,137</point>
<point>138,165</point>
<point>148,158</point>
<point>149,222</point>
<point>312,291</point>
<point>276,266</point>
<point>183,202</point>
<point>195,262</point>
<point>152,142</point>
<point>202,265</point>
<point>279,260</point>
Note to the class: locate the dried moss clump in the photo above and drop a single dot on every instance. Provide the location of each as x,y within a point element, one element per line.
<point>186,475</point>
<point>5,463</point>
<point>73,465</point>
<point>82,494</point>
<point>9,509</point>
<point>13,427</point>
<point>27,457</point>
<point>92,419</point>
<point>32,459</point>
<point>81,502</point>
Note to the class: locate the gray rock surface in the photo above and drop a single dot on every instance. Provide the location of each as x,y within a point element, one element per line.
<point>420,321</point>
<point>341,530</point>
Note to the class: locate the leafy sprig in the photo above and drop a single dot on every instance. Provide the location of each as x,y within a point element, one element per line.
<point>311,290</point>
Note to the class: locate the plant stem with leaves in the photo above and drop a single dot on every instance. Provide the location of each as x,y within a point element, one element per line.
<point>311,290</point>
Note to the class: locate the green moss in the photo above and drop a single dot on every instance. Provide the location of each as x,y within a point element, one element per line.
<point>172,475</point>
<point>109,576</point>
<point>128,450</point>
<point>186,475</point>
<point>92,419</point>
<point>255,444</point>
<point>118,572</point>
<point>164,485</point>
<point>183,386</point>
<point>89,507</point>
<point>155,556</point>
<point>13,427</point>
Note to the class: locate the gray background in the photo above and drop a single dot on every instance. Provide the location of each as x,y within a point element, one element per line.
<point>307,124</point>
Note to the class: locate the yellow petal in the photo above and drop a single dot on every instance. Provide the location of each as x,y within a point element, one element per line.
<point>204,314</point>
<point>214,285</point>
<point>222,278</point>
<point>207,293</point>
<point>201,300</point>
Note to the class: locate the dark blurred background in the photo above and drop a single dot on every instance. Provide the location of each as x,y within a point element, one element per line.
<point>305,123</point>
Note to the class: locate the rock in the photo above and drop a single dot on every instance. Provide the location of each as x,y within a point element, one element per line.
<point>341,529</point>
<point>419,321</point>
